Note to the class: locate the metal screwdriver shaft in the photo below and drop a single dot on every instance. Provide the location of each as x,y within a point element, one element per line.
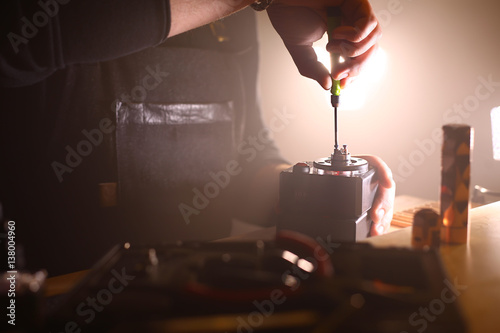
<point>336,131</point>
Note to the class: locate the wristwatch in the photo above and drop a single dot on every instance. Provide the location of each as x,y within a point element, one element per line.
<point>260,5</point>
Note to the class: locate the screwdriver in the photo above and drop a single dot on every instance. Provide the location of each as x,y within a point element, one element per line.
<point>334,20</point>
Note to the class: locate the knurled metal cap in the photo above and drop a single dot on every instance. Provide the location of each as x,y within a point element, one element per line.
<point>335,101</point>
<point>301,167</point>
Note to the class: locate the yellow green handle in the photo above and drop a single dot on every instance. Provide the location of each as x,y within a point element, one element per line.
<point>334,20</point>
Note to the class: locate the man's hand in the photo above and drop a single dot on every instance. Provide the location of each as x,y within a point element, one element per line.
<point>300,23</point>
<point>383,205</point>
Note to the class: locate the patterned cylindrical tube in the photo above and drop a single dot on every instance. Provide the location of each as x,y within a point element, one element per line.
<point>455,179</point>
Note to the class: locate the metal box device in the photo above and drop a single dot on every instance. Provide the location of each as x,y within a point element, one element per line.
<point>328,200</point>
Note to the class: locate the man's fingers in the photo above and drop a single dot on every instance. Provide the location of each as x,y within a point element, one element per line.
<point>350,49</point>
<point>383,205</point>
<point>382,210</point>
<point>353,66</point>
<point>356,40</point>
<point>358,15</point>
<point>308,65</point>
<point>302,23</point>
<point>357,33</point>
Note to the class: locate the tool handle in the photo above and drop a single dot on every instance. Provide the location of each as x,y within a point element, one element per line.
<point>334,20</point>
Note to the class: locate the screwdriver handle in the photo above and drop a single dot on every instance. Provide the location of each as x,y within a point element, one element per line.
<point>334,20</point>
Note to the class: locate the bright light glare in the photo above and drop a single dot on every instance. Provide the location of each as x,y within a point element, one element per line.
<point>323,56</point>
<point>291,257</point>
<point>355,94</point>
<point>305,265</point>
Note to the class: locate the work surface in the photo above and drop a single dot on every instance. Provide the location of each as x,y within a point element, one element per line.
<point>474,268</point>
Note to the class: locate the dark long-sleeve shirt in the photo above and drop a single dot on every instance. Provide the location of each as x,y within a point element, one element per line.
<point>40,37</point>
<point>104,98</point>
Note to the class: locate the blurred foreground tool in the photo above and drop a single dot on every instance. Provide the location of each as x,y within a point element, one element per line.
<point>455,181</point>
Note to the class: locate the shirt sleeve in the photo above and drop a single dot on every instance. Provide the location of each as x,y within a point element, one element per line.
<point>41,37</point>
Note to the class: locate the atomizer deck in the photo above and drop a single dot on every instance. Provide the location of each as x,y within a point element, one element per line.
<point>340,161</point>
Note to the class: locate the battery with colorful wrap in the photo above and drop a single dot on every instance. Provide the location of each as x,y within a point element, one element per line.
<point>455,183</point>
<point>426,229</point>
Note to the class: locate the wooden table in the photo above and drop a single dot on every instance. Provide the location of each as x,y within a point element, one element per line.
<point>475,265</point>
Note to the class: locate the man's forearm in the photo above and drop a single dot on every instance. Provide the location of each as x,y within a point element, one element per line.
<point>189,14</point>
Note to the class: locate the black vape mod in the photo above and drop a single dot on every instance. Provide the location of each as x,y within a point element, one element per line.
<point>328,198</point>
